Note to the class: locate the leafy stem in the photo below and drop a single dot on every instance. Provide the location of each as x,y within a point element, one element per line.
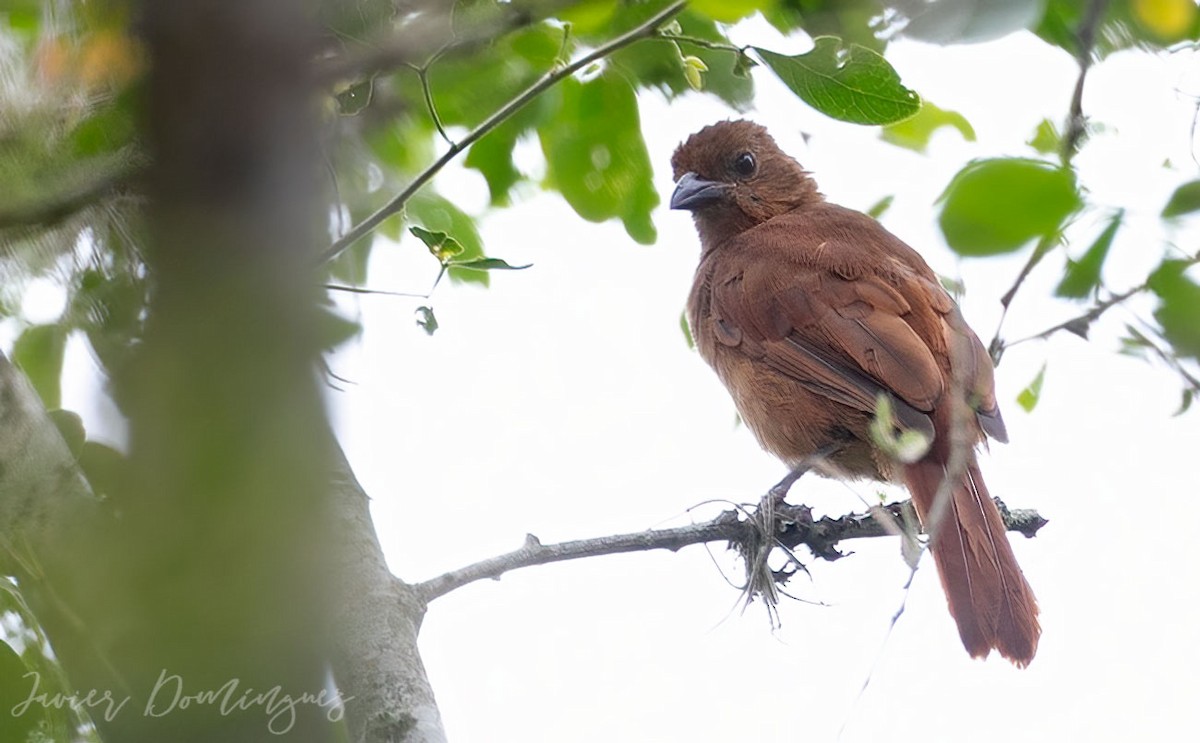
<point>365,227</point>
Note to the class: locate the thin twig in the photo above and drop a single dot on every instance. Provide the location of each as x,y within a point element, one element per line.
<point>997,346</point>
<point>361,290</point>
<point>1079,325</point>
<point>423,76</point>
<point>795,526</point>
<point>703,43</point>
<point>1075,127</point>
<point>1172,360</point>
<point>360,230</point>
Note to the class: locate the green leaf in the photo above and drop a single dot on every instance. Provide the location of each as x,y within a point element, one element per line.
<point>1028,399</point>
<point>1179,310</point>
<point>856,84</point>
<point>903,445</point>
<point>589,16</point>
<point>110,128</point>
<point>915,133</point>
<point>1135,344</point>
<point>1046,138</point>
<point>1083,276</point>
<point>436,214</point>
<point>39,353</point>
<point>355,22</point>
<point>70,427</point>
<point>1189,396</point>
<point>426,319</point>
<point>687,330</point>
<point>879,207</point>
<point>465,97</point>
<point>729,11</point>
<point>488,264</point>
<point>693,71</point>
<point>16,683</point>
<point>742,65</point>
<point>996,206</point>
<point>492,155</point>
<point>1185,200</point>
<point>104,468</point>
<point>596,156</point>
<point>442,246</point>
<point>355,98</point>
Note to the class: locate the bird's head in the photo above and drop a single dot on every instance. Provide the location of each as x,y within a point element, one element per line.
<point>732,176</point>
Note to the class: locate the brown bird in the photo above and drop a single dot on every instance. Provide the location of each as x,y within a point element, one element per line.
<point>810,313</point>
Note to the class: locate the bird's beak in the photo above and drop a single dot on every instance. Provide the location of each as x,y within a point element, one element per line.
<point>693,192</point>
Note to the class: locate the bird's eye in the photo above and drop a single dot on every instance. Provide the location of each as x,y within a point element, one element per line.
<point>745,165</point>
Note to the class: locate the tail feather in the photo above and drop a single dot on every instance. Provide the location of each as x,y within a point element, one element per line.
<point>989,598</point>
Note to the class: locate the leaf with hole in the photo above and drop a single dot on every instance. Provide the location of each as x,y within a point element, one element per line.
<point>442,246</point>
<point>435,213</point>
<point>852,84</point>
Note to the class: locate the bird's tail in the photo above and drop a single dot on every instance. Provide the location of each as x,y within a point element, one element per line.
<point>988,595</point>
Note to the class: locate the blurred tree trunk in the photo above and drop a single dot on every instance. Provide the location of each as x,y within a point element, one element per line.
<point>223,544</point>
<point>234,586</point>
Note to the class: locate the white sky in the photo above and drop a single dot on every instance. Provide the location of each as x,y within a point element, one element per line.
<point>563,402</point>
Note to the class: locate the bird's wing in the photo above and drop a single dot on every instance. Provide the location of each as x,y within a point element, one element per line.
<point>846,337</point>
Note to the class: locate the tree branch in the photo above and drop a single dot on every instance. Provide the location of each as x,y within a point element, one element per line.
<point>1076,121</point>
<point>365,227</point>
<point>794,526</point>
<point>378,664</point>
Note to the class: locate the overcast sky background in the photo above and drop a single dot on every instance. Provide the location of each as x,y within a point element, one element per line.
<point>563,402</point>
